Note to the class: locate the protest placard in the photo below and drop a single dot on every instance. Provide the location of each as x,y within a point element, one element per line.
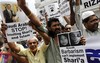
<point>41,14</point>
<point>64,7</point>
<point>52,10</point>
<point>8,15</point>
<point>73,54</point>
<point>69,38</point>
<point>70,48</point>
<point>10,12</point>
<point>18,31</point>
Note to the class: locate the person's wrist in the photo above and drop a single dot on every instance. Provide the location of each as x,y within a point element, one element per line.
<point>22,6</point>
<point>29,14</point>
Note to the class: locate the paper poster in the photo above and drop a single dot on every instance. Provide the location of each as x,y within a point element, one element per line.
<point>10,12</point>
<point>52,10</point>
<point>64,7</point>
<point>41,15</point>
<point>73,54</point>
<point>69,38</point>
<point>19,31</point>
<point>70,49</point>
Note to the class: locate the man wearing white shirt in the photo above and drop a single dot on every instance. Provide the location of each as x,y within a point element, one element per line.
<point>91,23</point>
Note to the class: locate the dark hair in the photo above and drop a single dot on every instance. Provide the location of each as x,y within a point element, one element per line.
<point>49,23</point>
<point>85,20</point>
<point>6,5</point>
<point>52,20</point>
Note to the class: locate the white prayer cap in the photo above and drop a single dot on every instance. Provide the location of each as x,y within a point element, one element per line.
<point>87,14</point>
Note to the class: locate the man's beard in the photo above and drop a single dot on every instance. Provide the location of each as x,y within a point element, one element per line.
<point>54,33</point>
<point>94,28</point>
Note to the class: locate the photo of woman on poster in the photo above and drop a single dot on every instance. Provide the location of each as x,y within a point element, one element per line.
<point>63,40</point>
<point>75,38</point>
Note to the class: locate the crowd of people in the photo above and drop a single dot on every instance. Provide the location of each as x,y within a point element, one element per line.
<point>44,47</point>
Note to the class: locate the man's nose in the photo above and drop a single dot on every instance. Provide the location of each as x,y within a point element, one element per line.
<point>96,21</point>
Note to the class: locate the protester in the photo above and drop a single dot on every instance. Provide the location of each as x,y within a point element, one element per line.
<point>89,20</point>
<point>52,52</point>
<point>91,23</point>
<point>68,28</point>
<point>32,54</point>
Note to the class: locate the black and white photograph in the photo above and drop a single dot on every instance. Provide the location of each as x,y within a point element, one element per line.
<point>63,40</point>
<point>75,38</point>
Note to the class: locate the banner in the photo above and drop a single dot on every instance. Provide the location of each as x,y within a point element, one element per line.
<point>93,49</point>
<point>19,31</point>
<point>89,4</point>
